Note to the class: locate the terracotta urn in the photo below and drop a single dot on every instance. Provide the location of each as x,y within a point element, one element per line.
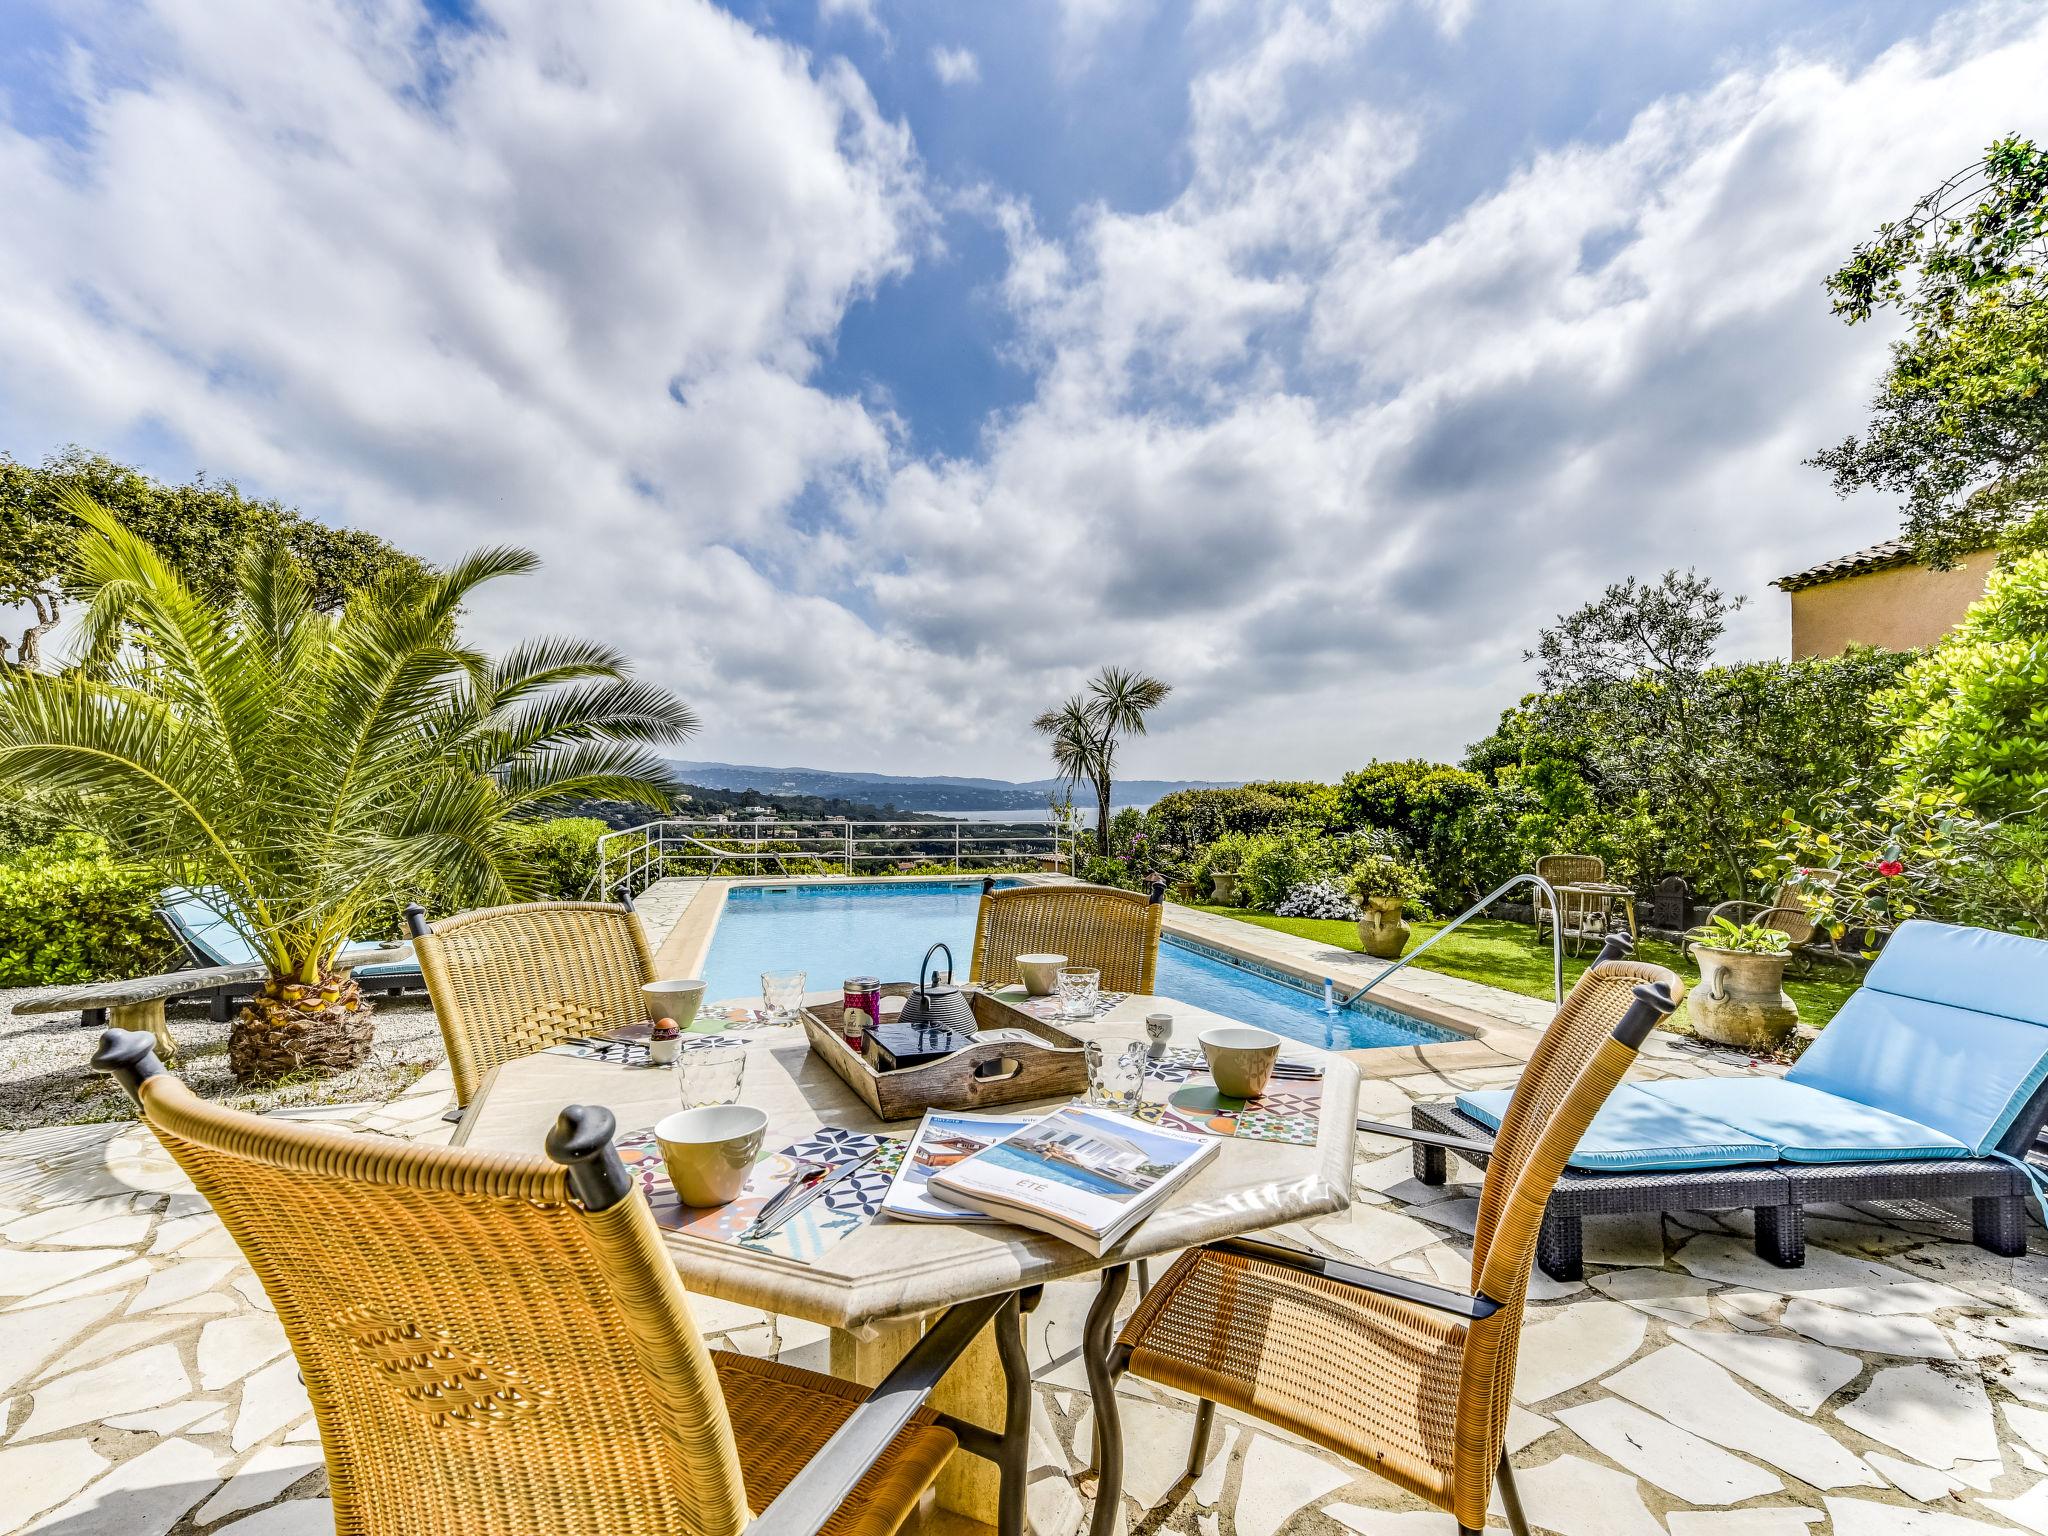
<point>1223,887</point>
<point>1382,930</point>
<point>1741,999</point>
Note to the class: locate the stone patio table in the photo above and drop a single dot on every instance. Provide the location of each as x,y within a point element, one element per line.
<point>875,1287</point>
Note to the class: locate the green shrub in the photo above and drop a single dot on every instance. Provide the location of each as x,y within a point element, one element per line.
<point>1441,813</point>
<point>1188,819</point>
<point>1386,877</point>
<point>69,914</point>
<point>564,854</point>
<point>1972,714</point>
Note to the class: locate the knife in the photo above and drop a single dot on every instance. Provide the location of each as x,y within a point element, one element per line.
<point>799,1193</point>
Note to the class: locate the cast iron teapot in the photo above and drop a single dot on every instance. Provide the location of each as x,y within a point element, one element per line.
<point>938,1004</point>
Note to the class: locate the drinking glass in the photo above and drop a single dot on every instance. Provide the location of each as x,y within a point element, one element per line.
<point>711,1074</point>
<point>1078,987</point>
<point>782,994</point>
<point>1116,1081</point>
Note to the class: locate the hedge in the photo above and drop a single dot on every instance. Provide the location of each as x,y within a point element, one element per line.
<point>69,914</point>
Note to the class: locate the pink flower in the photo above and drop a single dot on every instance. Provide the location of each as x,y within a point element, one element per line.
<point>1891,869</point>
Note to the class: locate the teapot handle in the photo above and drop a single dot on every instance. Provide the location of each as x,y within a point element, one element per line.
<point>924,973</point>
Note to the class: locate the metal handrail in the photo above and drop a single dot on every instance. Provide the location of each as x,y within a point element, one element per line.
<point>1556,937</point>
<point>636,852</point>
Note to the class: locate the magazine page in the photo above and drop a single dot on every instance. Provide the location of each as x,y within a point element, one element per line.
<point>941,1141</point>
<point>1084,1169</point>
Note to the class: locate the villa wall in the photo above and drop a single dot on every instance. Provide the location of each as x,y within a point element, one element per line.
<point>1900,609</point>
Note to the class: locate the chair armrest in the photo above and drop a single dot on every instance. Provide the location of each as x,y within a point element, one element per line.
<point>1465,1144</point>
<point>1421,1293</point>
<point>1725,908</point>
<point>822,1486</point>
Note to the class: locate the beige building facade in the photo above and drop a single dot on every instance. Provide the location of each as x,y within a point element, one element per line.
<point>1880,596</point>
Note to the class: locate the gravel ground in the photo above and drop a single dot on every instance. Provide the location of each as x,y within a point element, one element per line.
<point>46,1079</point>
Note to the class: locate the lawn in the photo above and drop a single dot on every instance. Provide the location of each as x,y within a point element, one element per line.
<point>1506,955</point>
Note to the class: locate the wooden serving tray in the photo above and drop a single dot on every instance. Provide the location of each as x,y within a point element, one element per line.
<point>979,1077</point>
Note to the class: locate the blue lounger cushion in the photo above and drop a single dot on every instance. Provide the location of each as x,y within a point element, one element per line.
<point>1635,1130</point>
<point>222,943</point>
<point>1950,1029</point>
<point>216,939</point>
<point>1804,1124</point>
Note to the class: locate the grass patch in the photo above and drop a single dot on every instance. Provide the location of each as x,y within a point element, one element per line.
<point>1507,955</point>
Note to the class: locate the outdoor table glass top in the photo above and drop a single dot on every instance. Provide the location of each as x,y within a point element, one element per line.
<point>891,1269</point>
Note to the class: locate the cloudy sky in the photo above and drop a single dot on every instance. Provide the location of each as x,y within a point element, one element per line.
<point>875,369</point>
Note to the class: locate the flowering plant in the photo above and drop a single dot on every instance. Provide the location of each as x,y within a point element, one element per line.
<point>1318,898</point>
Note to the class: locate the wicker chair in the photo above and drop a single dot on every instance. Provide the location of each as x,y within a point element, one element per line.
<point>1410,1379</point>
<point>1115,931</point>
<point>509,981</point>
<point>1577,908</point>
<point>1791,912</point>
<point>494,1342</point>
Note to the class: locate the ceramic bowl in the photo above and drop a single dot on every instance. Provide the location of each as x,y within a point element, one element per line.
<point>678,1000</point>
<point>1240,1058</point>
<point>1038,972</point>
<point>710,1150</point>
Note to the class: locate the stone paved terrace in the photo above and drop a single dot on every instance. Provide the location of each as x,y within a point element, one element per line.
<point>1897,1386</point>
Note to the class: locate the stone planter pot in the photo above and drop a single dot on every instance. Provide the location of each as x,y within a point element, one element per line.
<point>1223,887</point>
<point>1381,930</point>
<point>1741,999</point>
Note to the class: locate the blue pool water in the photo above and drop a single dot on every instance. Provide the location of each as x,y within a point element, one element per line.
<point>832,931</point>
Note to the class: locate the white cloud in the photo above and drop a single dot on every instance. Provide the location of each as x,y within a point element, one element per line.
<point>568,280</point>
<point>1330,481</point>
<point>860,12</point>
<point>956,66</point>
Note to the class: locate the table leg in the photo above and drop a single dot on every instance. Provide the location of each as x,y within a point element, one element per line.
<point>1109,1437</point>
<point>149,1016</point>
<point>972,1390</point>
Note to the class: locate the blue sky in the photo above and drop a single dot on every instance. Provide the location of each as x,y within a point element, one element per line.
<point>873,372</point>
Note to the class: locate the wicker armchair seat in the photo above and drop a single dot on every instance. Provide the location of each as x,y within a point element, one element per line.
<point>1262,1339</point>
<point>782,1416</point>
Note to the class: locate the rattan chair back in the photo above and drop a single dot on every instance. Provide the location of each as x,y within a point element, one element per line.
<point>1115,931</point>
<point>482,1353</point>
<point>1792,911</point>
<point>1571,868</point>
<point>508,981</point>
<point>1572,1070</point>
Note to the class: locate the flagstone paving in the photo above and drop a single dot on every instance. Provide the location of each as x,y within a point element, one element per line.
<point>1893,1387</point>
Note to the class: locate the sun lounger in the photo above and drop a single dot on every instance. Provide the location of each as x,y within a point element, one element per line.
<point>1931,1083</point>
<point>210,940</point>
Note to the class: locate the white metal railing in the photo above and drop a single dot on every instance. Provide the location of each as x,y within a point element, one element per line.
<point>633,859</point>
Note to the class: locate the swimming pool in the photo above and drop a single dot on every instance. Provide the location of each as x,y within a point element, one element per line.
<point>832,930</point>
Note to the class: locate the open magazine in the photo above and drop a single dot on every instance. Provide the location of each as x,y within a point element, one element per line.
<point>941,1141</point>
<point>1081,1174</point>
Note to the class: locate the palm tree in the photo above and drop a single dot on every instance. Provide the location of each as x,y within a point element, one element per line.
<point>307,767</point>
<point>1085,731</point>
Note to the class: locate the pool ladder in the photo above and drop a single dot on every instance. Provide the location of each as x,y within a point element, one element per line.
<point>1556,937</point>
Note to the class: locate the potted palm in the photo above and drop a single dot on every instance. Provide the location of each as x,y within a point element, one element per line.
<point>310,769</point>
<point>1741,997</point>
<point>1383,887</point>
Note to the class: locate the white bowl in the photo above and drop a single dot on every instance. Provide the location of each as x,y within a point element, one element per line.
<point>710,1150</point>
<point>679,999</point>
<point>1039,972</point>
<point>1240,1058</point>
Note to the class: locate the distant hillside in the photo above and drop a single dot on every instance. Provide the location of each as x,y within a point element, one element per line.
<point>933,792</point>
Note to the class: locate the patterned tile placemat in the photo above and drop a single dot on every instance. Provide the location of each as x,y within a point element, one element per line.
<point>842,1209</point>
<point>1048,1008</point>
<point>630,1052</point>
<point>1288,1111</point>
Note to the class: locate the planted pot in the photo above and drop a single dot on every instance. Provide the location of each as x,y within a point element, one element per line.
<point>1741,999</point>
<point>1382,930</point>
<point>1223,886</point>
